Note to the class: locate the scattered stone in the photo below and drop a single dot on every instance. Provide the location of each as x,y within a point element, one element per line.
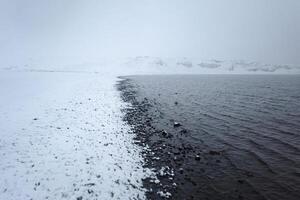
<point>164,133</point>
<point>184,131</point>
<point>181,170</point>
<point>177,124</point>
<point>90,184</point>
<point>211,152</point>
<point>164,194</point>
<point>197,157</point>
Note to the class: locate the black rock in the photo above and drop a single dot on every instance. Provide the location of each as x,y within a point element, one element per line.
<point>164,133</point>
<point>211,152</point>
<point>90,184</point>
<point>177,124</point>
<point>183,131</point>
<point>181,170</point>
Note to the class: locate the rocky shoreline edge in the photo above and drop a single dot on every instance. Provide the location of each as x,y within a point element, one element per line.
<point>184,169</point>
<point>162,186</point>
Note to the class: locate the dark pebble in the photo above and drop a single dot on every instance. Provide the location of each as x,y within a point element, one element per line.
<point>181,170</point>
<point>183,131</point>
<point>197,157</point>
<point>211,152</point>
<point>177,124</point>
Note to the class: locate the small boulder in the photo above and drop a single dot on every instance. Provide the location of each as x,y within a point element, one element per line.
<point>177,124</point>
<point>197,157</point>
<point>212,152</point>
<point>183,131</point>
<point>181,170</point>
<point>164,133</point>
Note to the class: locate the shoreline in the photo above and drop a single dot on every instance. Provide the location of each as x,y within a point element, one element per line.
<point>136,116</point>
<point>185,169</point>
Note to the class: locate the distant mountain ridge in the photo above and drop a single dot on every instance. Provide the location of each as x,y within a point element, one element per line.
<point>192,65</point>
<point>158,65</point>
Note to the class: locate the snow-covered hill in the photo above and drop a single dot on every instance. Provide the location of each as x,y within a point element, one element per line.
<point>197,66</point>
<point>157,65</point>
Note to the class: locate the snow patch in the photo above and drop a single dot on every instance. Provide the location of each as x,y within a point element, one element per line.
<point>62,137</point>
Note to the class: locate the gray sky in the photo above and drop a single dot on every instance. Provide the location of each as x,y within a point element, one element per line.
<point>83,30</point>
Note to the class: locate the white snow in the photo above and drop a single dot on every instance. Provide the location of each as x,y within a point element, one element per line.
<point>157,65</point>
<point>164,194</point>
<point>61,130</point>
<point>62,137</point>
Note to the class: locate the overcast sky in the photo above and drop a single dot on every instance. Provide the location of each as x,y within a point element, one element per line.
<point>83,30</point>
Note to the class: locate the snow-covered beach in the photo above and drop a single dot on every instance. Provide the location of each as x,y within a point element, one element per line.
<point>63,134</point>
<point>62,137</point>
<point>155,99</point>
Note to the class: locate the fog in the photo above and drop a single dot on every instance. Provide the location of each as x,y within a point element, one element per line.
<point>77,31</point>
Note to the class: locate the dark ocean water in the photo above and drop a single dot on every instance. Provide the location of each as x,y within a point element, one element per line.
<point>254,120</point>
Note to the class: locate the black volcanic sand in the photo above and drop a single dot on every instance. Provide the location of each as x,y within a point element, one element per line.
<point>200,170</point>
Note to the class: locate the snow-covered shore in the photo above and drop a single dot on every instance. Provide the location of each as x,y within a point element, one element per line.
<point>62,137</point>
<point>61,130</point>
